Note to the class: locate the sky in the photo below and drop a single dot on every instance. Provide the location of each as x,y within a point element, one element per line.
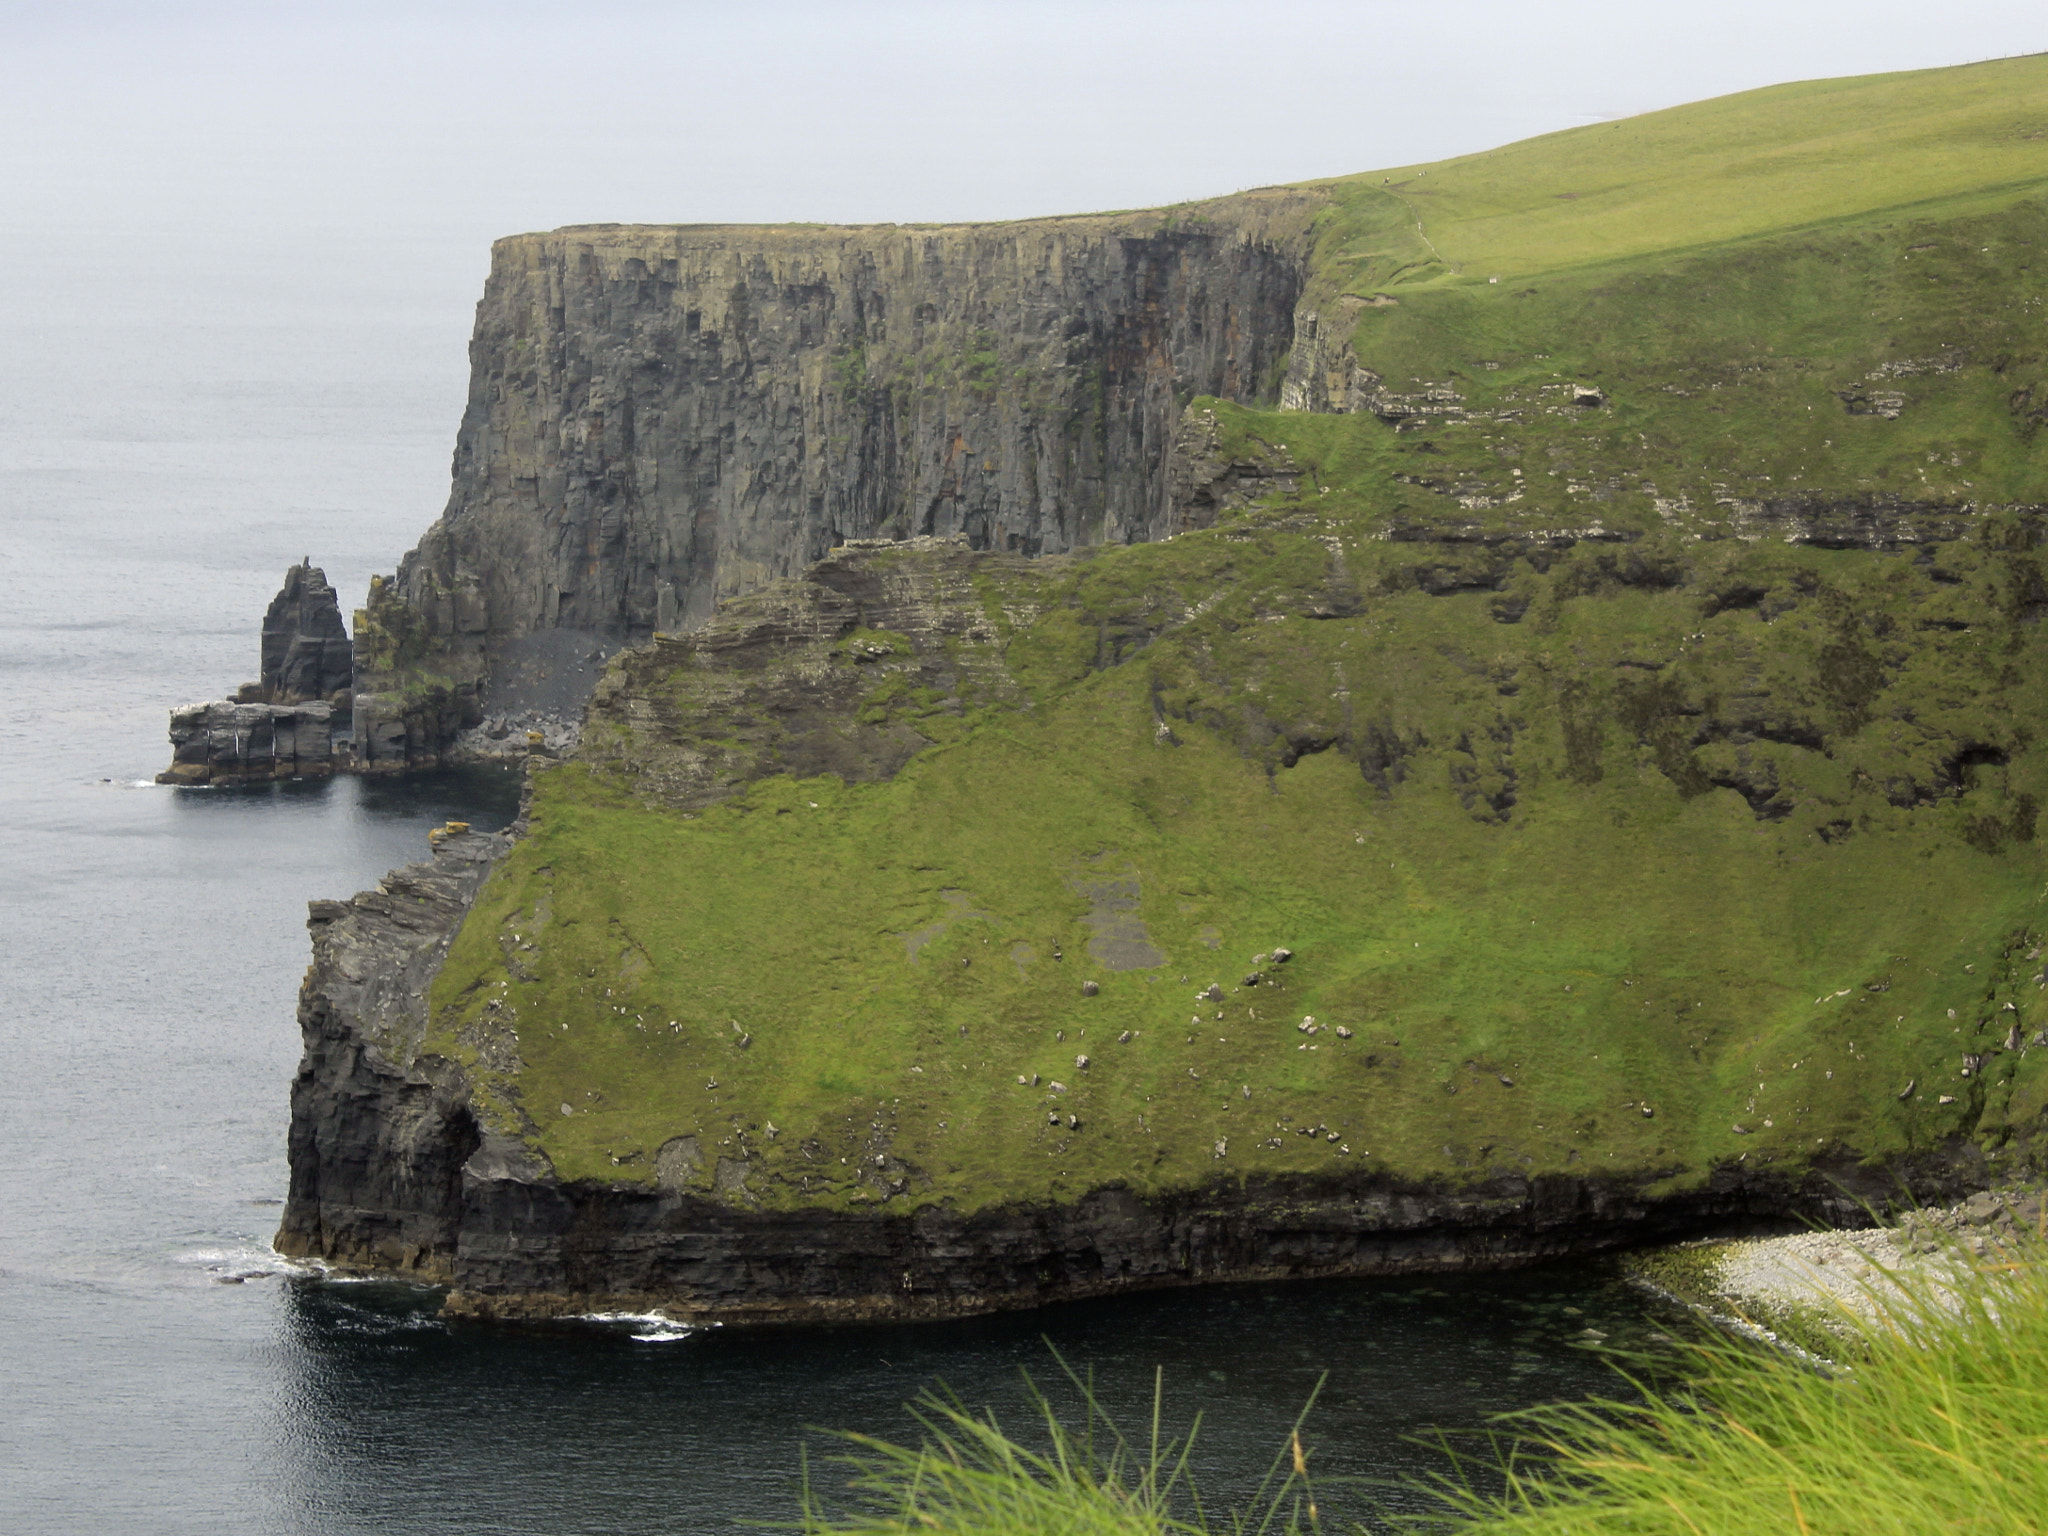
<point>440,126</point>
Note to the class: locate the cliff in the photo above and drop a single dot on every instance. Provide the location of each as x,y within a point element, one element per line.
<point>528,1082</point>
<point>1574,774</point>
<point>661,418</point>
<point>380,1131</point>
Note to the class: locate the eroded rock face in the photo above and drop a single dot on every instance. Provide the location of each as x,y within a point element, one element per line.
<point>661,418</point>
<point>283,725</point>
<point>531,1247</point>
<point>379,1132</point>
<point>776,682</point>
<point>1208,480</point>
<point>306,651</point>
<point>228,742</point>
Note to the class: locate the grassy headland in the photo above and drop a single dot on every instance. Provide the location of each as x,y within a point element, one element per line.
<point>1630,723</point>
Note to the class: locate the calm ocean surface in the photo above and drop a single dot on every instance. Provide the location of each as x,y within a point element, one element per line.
<point>163,457</point>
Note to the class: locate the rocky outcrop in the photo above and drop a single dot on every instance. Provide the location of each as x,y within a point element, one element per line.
<point>379,1132</point>
<point>528,1246</point>
<point>661,418</point>
<point>536,1249</point>
<point>851,670</point>
<point>285,724</point>
<point>228,742</point>
<point>306,651</point>
<point>1208,479</point>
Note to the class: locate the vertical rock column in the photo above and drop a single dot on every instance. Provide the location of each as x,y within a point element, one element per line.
<point>306,651</point>
<point>281,726</point>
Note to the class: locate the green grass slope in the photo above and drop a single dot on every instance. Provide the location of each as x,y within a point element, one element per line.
<point>1507,872</point>
<point>1800,156</point>
<point>1643,784</point>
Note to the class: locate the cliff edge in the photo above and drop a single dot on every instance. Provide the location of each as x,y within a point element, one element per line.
<point>661,418</point>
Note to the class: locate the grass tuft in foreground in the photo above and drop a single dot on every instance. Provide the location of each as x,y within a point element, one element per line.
<point>970,1476</point>
<point>1939,1424</point>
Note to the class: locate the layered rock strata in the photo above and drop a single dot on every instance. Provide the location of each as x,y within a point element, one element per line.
<point>792,679</point>
<point>228,742</point>
<point>528,1246</point>
<point>661,418</point>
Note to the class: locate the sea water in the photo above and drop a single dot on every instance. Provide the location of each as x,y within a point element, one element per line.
<point>164,455</point>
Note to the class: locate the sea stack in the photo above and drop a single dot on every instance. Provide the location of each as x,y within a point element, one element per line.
<point>307,657</point>
<point>282,725</point>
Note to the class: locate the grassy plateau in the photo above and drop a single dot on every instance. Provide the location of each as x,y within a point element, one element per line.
<point>1630,723</point>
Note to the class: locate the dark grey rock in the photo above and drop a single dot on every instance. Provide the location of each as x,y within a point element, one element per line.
<point>230,743</point>
<point>306,650</point>
<point>283,725</point>
<point>380,1134</point>
<point>661,418</point>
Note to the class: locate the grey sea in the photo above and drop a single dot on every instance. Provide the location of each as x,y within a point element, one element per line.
<point>165,453</point>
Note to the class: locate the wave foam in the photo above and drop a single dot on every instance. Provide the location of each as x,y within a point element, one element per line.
<point>656,1327</point>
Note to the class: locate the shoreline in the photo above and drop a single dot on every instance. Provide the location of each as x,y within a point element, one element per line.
<point>1813,1291</point>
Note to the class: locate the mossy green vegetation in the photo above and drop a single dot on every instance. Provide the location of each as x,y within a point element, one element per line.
<point>1800,156</point>
<point>1933,1426</point>
<point>1629,724</point>
<point>1505,860</point>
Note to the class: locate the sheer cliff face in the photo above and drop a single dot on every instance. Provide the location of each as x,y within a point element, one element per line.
<point>660,418</point>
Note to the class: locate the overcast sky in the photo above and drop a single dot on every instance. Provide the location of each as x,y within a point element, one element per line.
<point>457,122</point>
